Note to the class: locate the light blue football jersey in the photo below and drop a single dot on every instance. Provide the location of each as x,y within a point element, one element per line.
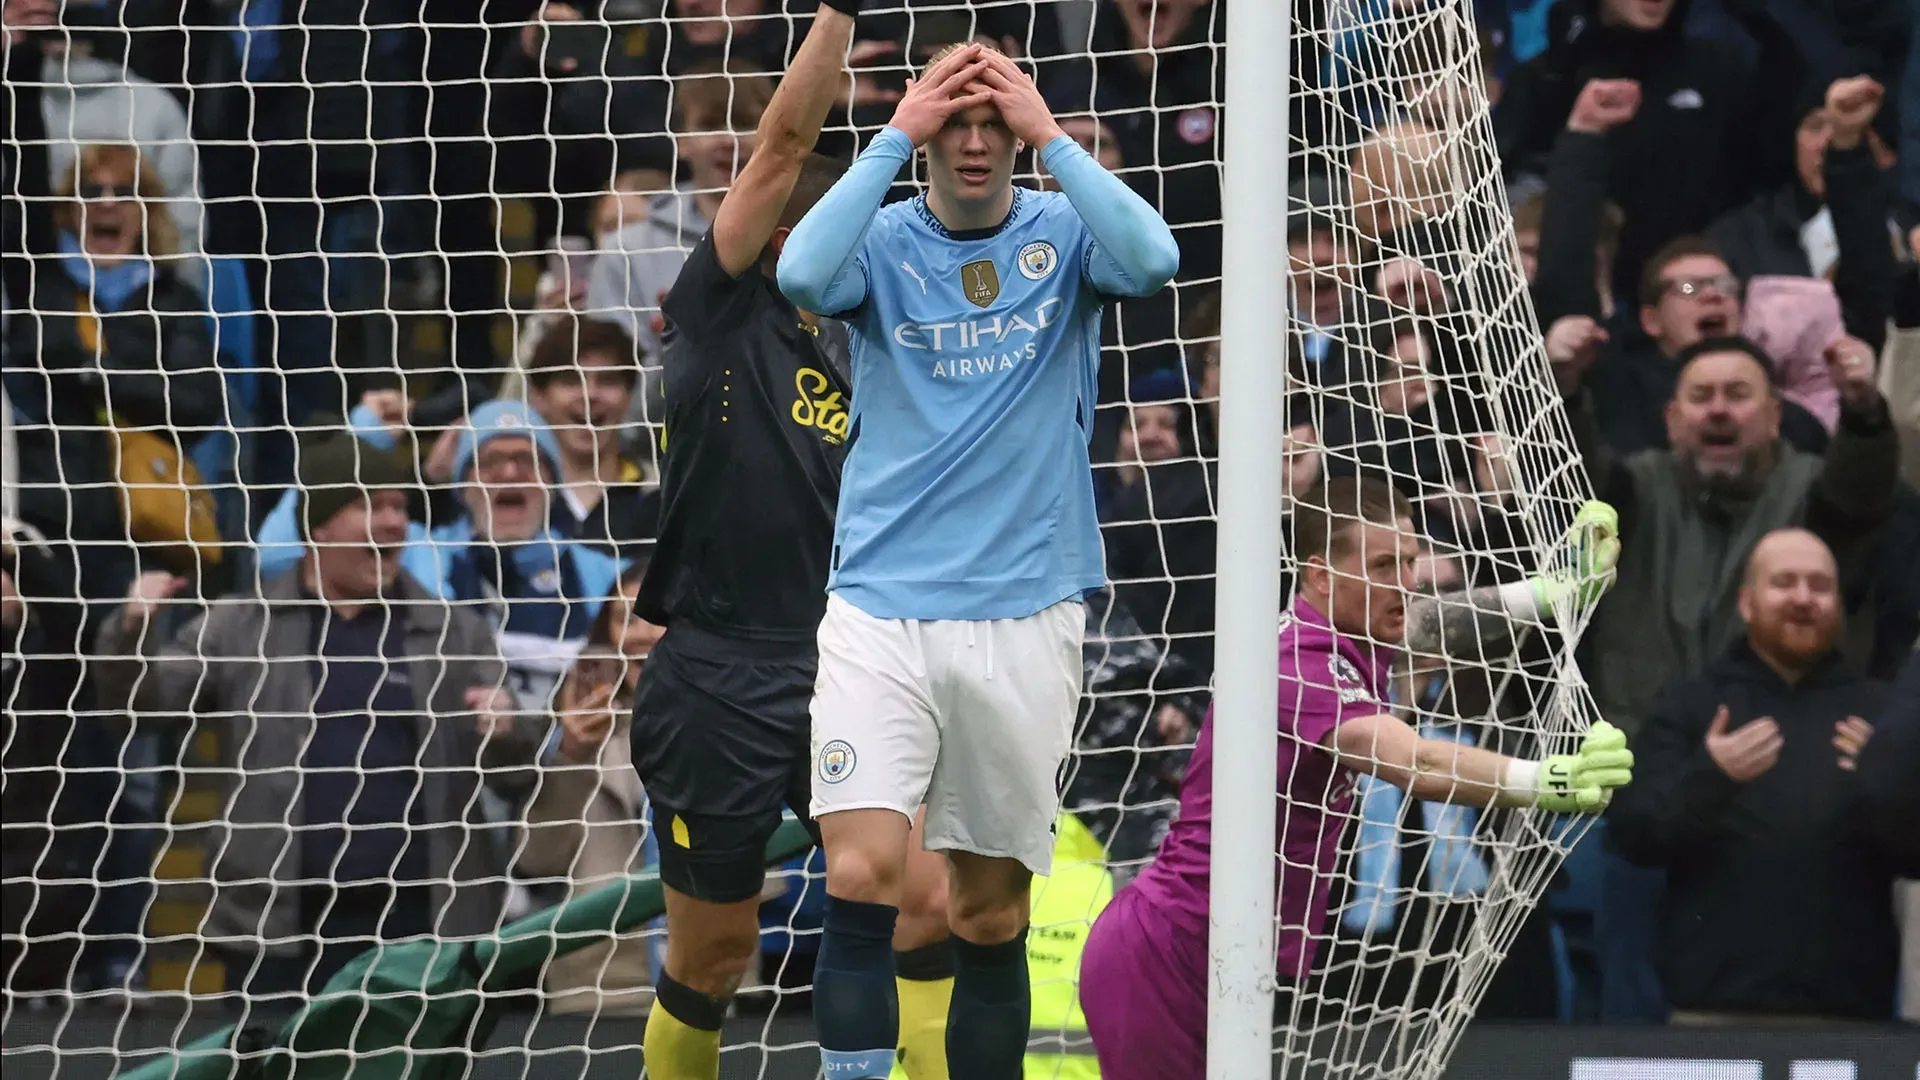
<point>968,492</point>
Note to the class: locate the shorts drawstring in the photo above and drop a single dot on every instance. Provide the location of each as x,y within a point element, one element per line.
<point>972,642</point>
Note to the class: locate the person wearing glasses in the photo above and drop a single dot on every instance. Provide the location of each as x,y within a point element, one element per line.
<point>1688,293</point>
<point>540,586</point>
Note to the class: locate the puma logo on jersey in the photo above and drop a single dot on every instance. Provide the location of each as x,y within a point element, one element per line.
<point>828,414</point>
<point>915,274</point>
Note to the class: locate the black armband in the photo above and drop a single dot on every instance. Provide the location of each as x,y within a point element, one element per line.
<point>849,8</point>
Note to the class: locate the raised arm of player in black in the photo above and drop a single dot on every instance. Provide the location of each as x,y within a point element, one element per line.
<point>788,131</point>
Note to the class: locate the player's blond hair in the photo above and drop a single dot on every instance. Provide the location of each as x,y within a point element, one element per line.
<point>949,50</point>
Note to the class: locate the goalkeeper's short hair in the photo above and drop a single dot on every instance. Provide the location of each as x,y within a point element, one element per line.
<point>1325,518</point>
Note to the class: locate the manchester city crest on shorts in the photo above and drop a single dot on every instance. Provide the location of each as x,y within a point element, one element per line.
<point>1037,260</point>
<point>836,761</point>
<point>980,282</point>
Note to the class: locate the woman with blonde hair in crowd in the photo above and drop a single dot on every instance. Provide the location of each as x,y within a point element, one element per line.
<point>586,823</point>
<point>117,352</point>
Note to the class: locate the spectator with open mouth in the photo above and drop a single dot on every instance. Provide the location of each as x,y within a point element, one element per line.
<point>1689,516</point>
<point>540,586</point>
<point>583,379</point>
<point>1688,294</point>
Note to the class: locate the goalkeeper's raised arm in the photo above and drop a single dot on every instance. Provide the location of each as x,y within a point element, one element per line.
<point>1466,624</point>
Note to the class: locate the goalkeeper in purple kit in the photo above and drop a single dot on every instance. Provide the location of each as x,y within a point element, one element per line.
<point>1143,980</point>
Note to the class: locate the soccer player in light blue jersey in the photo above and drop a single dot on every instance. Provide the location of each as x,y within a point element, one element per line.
<point>966,536</point>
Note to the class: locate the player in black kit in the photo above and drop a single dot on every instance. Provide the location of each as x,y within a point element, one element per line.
<point>756,431</point>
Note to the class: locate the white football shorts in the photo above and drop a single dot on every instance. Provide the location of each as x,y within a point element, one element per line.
<point>973,719</point>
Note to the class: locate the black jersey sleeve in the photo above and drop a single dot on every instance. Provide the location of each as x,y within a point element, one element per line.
<point>706,304</point>
<point>704,309</point>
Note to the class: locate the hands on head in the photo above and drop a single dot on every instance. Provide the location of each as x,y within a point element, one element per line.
<point>945,89</point>
<point>973,75</point>
<point>1013,92</point>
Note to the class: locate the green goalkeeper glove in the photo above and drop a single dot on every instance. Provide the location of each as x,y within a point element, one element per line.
<point>1594,543</point>
<point>1583,782</point>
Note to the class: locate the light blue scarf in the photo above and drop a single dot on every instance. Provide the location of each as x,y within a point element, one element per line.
<point>1454,869</point>
<point>109,286</point>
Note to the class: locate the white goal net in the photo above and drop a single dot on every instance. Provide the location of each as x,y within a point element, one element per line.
<point>259,251</point>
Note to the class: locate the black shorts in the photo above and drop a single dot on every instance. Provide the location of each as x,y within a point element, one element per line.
<point>721,740</point>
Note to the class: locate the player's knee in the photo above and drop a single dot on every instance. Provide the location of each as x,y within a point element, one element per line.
<point>716,961</point>
<point>923,892</point>
<point>989,900</point>
<point>856,873</point>
<point>985,923</point>
<point>923,913</point>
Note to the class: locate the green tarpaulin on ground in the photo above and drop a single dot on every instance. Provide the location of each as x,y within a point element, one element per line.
<point>412,1011</point>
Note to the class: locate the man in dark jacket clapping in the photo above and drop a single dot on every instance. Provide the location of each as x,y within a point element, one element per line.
<point>1780,889</point>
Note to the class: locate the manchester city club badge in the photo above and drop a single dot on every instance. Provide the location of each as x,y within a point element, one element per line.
<point>1037,260</point>
<point>836,761</point>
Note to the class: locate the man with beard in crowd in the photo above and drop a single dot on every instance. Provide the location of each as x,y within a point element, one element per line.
<point>1688,517</point>
<point>1692,287</point>
<point>1749,794</point>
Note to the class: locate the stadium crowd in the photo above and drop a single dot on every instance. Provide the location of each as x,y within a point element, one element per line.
<point>269,248</point>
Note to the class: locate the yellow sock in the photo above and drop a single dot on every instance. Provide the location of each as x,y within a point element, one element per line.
<point>923,1028</point>
<point>675,1049</point>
